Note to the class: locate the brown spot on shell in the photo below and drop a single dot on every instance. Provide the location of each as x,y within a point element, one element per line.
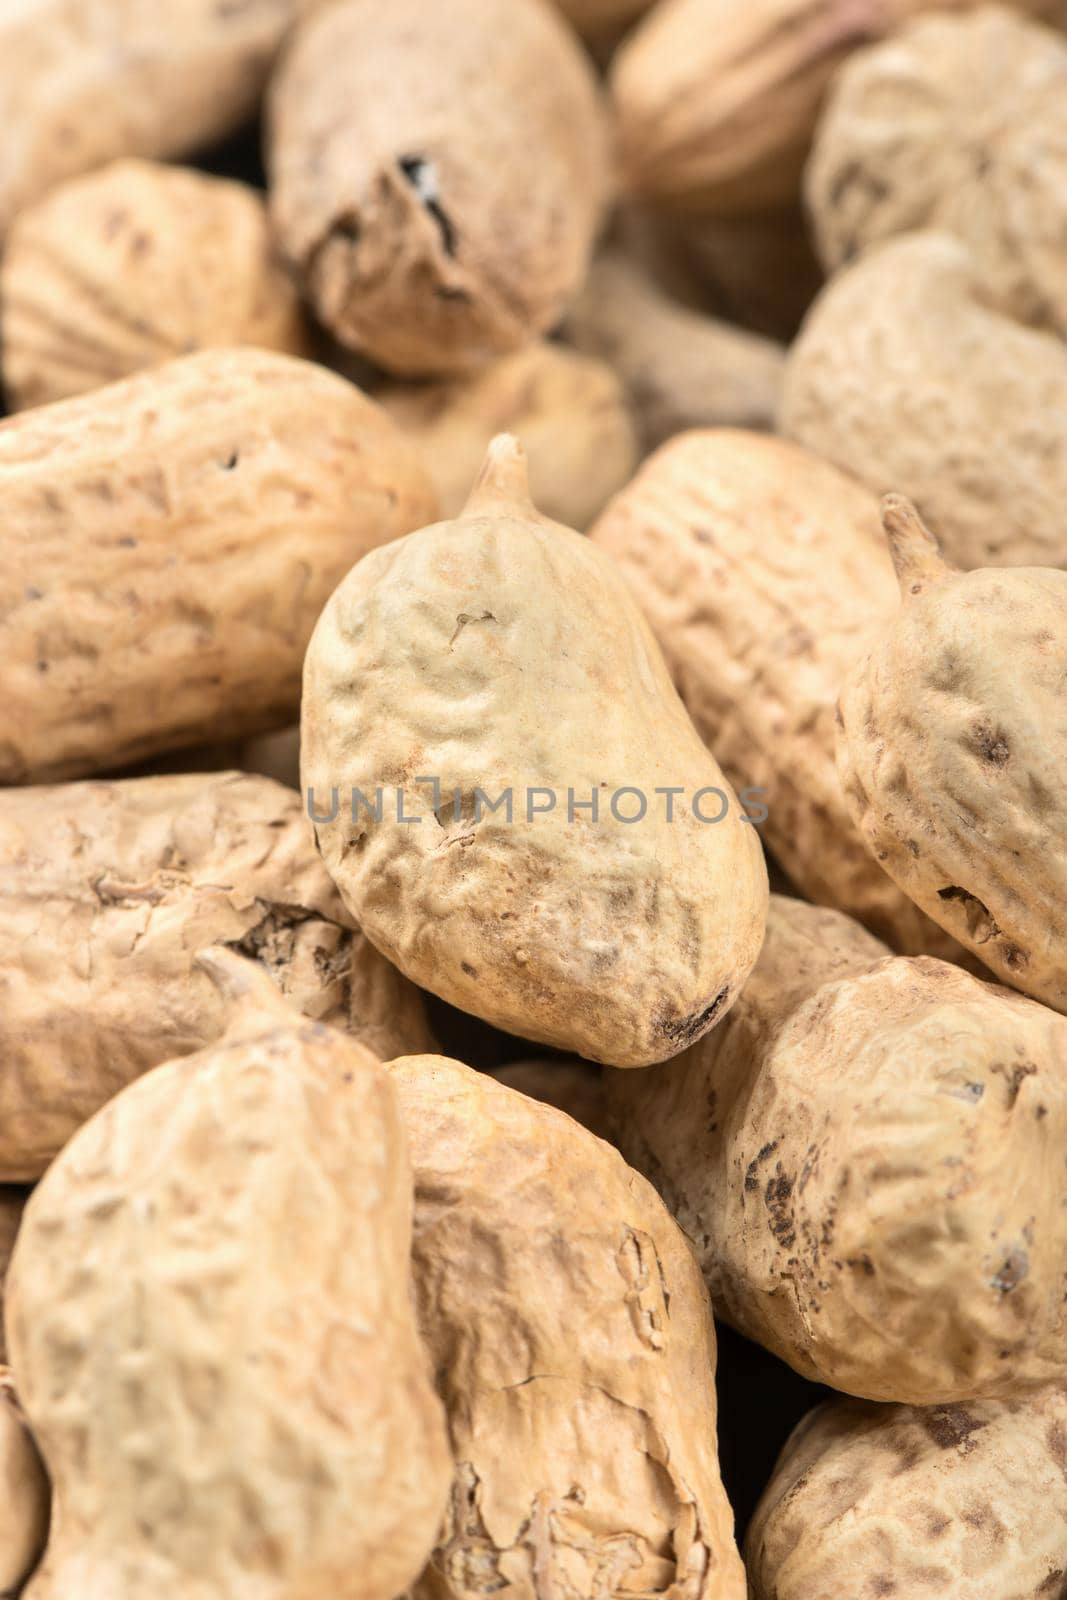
<point>952,1427</point>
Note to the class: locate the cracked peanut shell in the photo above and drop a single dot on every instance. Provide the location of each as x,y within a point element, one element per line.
<point>210,1314</point>
<point>109,890</point>
<point>957,1501</point>
<point>907,376</point>
<point>84,81</point>
<point>950,748</point>
<point>502,654</point>
<point>575,1347</point>
<point>132,266</point>
<point>569,412</point>
<point>437,175</point>
<point>957,122</point>
<point>868,1157</point>
<point>169,542</point>
<point>763,574</point>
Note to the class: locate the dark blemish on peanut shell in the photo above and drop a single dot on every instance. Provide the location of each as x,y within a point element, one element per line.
<point>1056,1439</point>
<point>882,1584</point>
<point>776,1197</point>
<point>951,1427</point>
<point>472,972</point>
<point>422,175</point>
<point>1055,1585</point>
<point>991,744</point>
<point>682,1031</point>
<point>751,1181</point>
<point>1011,1272</point>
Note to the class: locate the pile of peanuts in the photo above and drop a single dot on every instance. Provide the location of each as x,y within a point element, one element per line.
<point>533,800</point>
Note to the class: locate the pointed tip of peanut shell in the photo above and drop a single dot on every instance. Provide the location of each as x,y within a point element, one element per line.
<point>503,481</point>
<point>916,554</point>
<point>247,990</point>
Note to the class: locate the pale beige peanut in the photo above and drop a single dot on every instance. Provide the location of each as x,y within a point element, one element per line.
<point>212,1289</point>
<point>908,375</point>
<point>437,175</point>
<point>952,1500</point>
<point>109,891</point>
<point>868,1157</point>
<point>575,1350</point>
<point>460,654</point>
<point>132,266</point>
<point>217,500</point>
<point>952,734</point>
<point>958,121</point>
<point>764,575</point>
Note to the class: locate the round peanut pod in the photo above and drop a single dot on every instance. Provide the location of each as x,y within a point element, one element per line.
<point>957,122</point>
<point>24,1493</point>
<point>217,500</point>
<point>440,696</point>
<point>217,1267</point>
<point>12,1199</point>
<point>437,175</point>
<point>950,749</point>
<point>84,81</point>
<point>681,369</point>
<point>868,1158</point>
<point>576,1353</point>
<point>131,266</point>
<point>884,1500</point>
<point>569,413</point>
<point>764,575</point>
<point>716,103</point>
<point>108,892</point>
<point>906,376</point>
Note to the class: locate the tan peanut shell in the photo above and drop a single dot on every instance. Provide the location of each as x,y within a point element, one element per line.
<point>437,175</point>
<point>957,122</point>
<point>951,753</point>
<point>12,1200</point>
<point>716,102</point>
<point>959,1500</point>
<point>570,414</point>
<point>572,1086</point>
<point>108,891</point>
<point>210,1314</point>
<point>575,1348</point>
<point>168,544</point>
<point>906,375</point>
<point>24,1493</point>
<point>764,575</point>
<point>681,369</point>
<point>868,1156</point>
<point>132,266</point>
<point>502,654</point>
<point>84,81</point>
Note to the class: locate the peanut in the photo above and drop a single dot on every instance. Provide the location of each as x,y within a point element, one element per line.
<point>108,892</point>
<point>458,654</point>
<point>217,1265</point>
<point>169,542</point>
<point>576,1352</point>
<point>131,266</point>
<point>437,175</point>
